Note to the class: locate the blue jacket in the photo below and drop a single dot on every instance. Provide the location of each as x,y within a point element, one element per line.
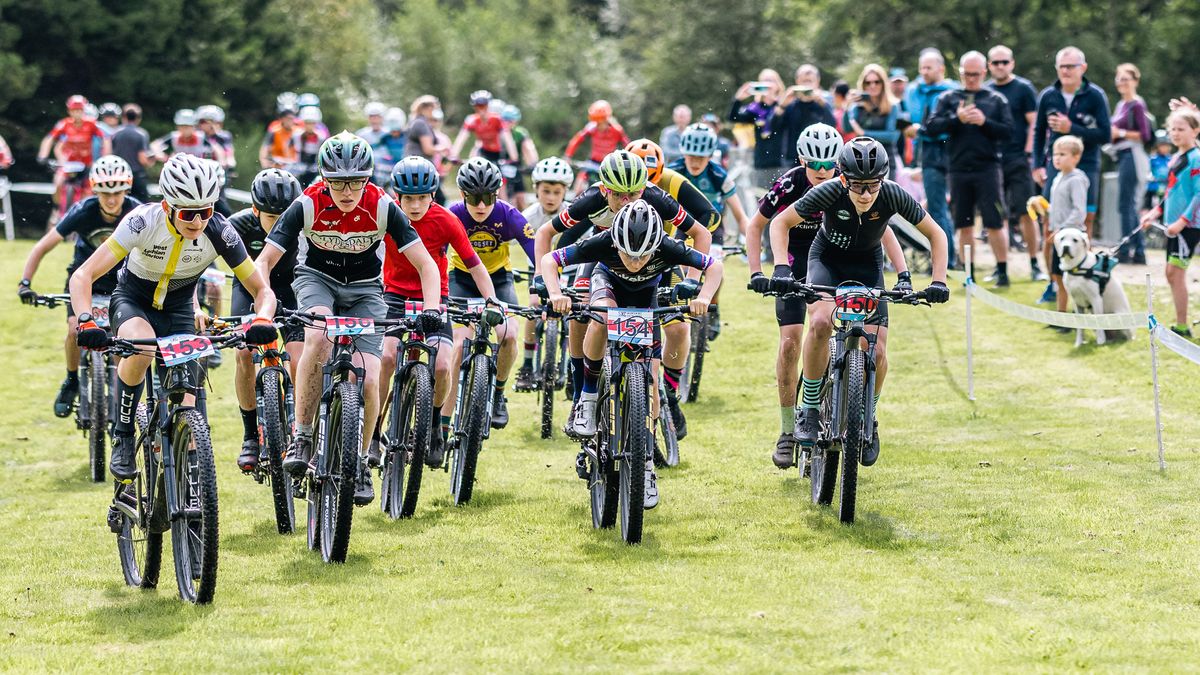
<point>1089,121</point>
<point>921,98</point>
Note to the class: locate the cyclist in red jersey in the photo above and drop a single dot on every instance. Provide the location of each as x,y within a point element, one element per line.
<point>604,131</point>
<point>415,179</point>
<point>489,129</point>
<point>71,141</point>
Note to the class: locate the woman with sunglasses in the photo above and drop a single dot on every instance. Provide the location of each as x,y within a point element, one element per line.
<point>168,246</point>
<point>876,114</point>
<point>854,210</point>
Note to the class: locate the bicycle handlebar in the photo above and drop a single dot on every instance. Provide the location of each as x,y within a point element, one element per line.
<point>817,293</point>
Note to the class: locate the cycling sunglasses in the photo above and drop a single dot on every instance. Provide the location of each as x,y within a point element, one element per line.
<point>488,198</point>
<point>188,215</point>
<point>339,185</point>
<point>821,166</point>
<point>870,187</point>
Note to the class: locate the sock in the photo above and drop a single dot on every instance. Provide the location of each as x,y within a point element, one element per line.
<point>530,350</point>
<point>500,386</point>
<point>445,427</point>
<point>591,375</point>
<point>811,393</point>
<point>787,419</point>
<point>73,376</point>
<point>128,396</point>
<point>249,424</point>
<point>1033,262</point>
<point>1002,268</point>
<point>576,376</point>
<point>672,376</point>
<point>305,430</point>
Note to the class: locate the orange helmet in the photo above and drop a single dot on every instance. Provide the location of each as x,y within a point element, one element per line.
<point>651,154</point>
<point>599,111</point>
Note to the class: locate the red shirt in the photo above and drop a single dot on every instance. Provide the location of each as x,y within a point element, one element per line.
<point>487,129</point>
<point>76,138</point>
<point>604,140</point>
<point>438,228</point>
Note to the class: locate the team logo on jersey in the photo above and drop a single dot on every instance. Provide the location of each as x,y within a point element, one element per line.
<point>98,236</point>
<point>484,242</point>
<point>529,230</point>
<point>230,235</point>
<point>839,239</point>
<point>874,216</point>
<point>136,223</point>
<point>843,214</point>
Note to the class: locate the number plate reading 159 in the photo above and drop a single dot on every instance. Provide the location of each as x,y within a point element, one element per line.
<point>854,303</point>
<point>177,349</point>
<point>349,325</point>
<point>631,326</point>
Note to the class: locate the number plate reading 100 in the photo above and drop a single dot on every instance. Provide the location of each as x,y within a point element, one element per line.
<point>177,349</point>
<point>854,303</point>
<point>349,325</point>
<point>100,310</point>
<point>631,326</point>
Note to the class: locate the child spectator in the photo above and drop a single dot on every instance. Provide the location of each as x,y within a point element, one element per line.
<point>1160,167</point>
<point>1068,206</point>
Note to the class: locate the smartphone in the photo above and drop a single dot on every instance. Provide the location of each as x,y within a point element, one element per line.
<point>760,87</point>
<point>969,99</point>
<point>804,91</point>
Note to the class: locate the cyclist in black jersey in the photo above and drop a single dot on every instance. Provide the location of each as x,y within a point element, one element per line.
<point>855,210</point>
<point>91,220</point>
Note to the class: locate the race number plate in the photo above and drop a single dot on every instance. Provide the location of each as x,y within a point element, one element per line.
<point>177,349</point>
<point>631,326</point>
<point>213,276</point>
<point>100,310</point>
<point>854,303</point>
<point>349,325</point>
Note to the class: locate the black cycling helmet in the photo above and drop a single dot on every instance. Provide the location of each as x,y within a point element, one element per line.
<point>477,176</point>
<point>637,229</point>
<point>415,175</point>
<point>863,158</point>
<point>273,190</point>
<point>345,156</point>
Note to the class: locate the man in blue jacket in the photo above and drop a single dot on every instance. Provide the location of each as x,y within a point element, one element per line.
<point>1072,105</point>
<point>930,151</point>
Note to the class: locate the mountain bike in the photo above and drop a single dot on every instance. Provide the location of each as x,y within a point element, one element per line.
<point>75,187</point>
<point>847,390</point>
<point>615,457</point>
<point>176,485</point>
<point>97,368</point>
<point>408,418</point>
<point>551,359</point>
<point>702,333</point>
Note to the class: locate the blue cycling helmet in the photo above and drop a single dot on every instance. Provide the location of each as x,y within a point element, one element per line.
<point>698,140</point>
<point>511,113</point>
<point>415,175</point>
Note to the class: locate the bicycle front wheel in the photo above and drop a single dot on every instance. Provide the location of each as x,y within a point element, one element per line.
<point>470,441</point>
<point>634,441</point>
<point>97,397</point>
<point>343,440</point>
<point>407,440</point>
<point>549,376</point>
<point>853,433</point>
<point>194,532</point>
<point>693,368</point>
<point>273,421</point>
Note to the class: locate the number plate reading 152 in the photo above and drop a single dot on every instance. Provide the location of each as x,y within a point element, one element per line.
<point>854,303</point>
<point>632,326</point>
<point>349,325</point>
<point>177,349</point>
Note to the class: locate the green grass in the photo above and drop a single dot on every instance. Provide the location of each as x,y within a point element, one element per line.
<point>1029,530</point>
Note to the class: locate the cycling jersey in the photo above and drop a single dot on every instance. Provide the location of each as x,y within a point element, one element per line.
<point>714,182</point>
<point>86,221</point>
<point>254,238</point>
<point>536,216</point>
<point>342,246</point>
<point>490,238</point>
<point>487,129</point>
<point>224,139</point>
<point>281,142</point>
<point>604,141</point>
<point>591,210</point>
<point>76,138</point>
<point>601,249</point>
<point>437,229</point>
<point>194,144</point>
<point>690,198</point>
<point>307,145</point>
<point>784,192</point>
<point>163,267</point>
<point>1183,189</point>
<point>844,227</point>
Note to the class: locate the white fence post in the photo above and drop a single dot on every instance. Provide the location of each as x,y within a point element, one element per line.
<point>1158,426</point>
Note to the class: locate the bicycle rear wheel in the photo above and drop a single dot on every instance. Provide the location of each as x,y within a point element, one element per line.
<point>343,440</point>
<point>693,368</point>
<point>853,433</point>
<point>466,455</point>
<point>549,375</point>
<point>272,421</point>
<point>407,440</point>
<point>669,454</point>
<point>635,439</point>
<point>139,544</point>
<point>194,532</point>
<point>97,401</point>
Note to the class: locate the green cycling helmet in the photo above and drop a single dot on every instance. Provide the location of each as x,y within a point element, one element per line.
<point>623,171</point>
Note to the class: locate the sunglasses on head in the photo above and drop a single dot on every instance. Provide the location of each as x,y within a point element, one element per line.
<point>827,165</point>
<point>1001,62</point>
<point>188,215</point>
<point>339,185</point>
<point>476,200</point>
<point>862,188</point>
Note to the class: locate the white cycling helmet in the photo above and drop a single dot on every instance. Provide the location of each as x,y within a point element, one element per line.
<point>189,182</point>
<point>819,143</point>
<point>111,174</point>
<point>310,114</point>
<point>210,112</point>
<point>185,117</point>
<point>553,170</point>
<point>375,108</point>
<point>637,229</point>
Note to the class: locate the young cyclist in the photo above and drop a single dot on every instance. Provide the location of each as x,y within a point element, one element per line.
<point>415,180</point>
<point>307,141</point>
<point>71,140</point>
<point>495,141</point>
<point>168,246</point>
<point>527,151</point>
<point>278,149</point>
<point>552,177</point>
<point>604,131</point>
<point>271,193</point>
<point>211,120</point>
<point>491,223</point>
<point>92,221</point>
<point>629,260</point>
<point>855,211</point>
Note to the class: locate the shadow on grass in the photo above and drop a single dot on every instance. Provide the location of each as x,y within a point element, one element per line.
<point>79,479</point>
<point>426,516</point>
<point>481,501</point>
<point>146,615</point>
<point>263,538</point>
<point>869,529</point>
<point>941,358</point>
<point>307,567</point>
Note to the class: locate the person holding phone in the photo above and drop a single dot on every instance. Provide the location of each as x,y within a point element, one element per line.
<point>803,105</point>
<point>755,103</point>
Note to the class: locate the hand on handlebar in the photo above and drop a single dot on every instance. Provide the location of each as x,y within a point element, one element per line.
<point>687,289</point>
<point>698,307</point>
<point>261,332</point>
<point>759,282</point>
<point>781,278</point>
<point>91,336</point>
<point>430,321</point>
<point>560,303</point>
<point>937,293</point>
<point>903,283</point>
<point>28,295</point>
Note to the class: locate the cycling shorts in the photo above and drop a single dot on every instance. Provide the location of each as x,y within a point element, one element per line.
<point>395,303</point>
<point>830,266</point>
<point>792,310</point>
<point>604,289</point>
<point>363,300</point>
<point>1182,247</point>
<point>463,286</point>
<point>178,318</point>
<point>242,304</point>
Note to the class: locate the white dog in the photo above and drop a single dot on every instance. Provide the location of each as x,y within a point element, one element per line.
<point>1089,281</point>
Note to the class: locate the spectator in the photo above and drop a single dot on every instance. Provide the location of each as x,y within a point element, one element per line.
<point>843,98</point>
<point>897,83</point>
<point>668,140</point>
<point>1072,105</point>
<point>132,144</point>
<point>1018,176</point>
<point>1160,165</point>
<point>1130,134</point>
<point>1068,206</point>
<point>803,104</point>
<point>977,124</point>
<point>876,113</point>
<point>929,150</point>
<point>754,103</point>
<point>721,156</point>
<point>421,140</point>
<point>374,131</point>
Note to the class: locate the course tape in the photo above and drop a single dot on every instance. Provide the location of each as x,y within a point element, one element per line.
<point>1175,343</point>
<point>1064,319</point>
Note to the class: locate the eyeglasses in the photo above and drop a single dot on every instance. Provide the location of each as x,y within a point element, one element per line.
<point>867,83</point>
<point>1001,62</point>
<point>968,73</point>
<point>1068,66</point>
<point>339,185</point>
<point>475,200</point>
<point>820,166</point>
<point>862,188</point>
<point>188,215</point>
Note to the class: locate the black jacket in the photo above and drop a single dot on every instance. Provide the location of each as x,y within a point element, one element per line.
<point>972,147</point>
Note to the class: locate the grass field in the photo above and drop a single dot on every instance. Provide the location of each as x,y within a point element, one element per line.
<point>1030,530</point>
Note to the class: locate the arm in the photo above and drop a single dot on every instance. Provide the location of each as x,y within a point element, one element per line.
<point>937,243</point>
<point>1030,120</point>
<point>575,141</point>
<point>702,242</point>
<point>45,146</point>
<point>1040,130</point>
<point>529,153</point>
<point>428,145</point>
<point>1077,205</point>
<point>459,140</point>
<point>509,145</point>
<point>943,119</point>
<point>283,237</point>
<point>780,225</point>
<point>264,153</point>
<point>431,281</point>
<point>541,245</point>
<point>754,230</point>
<point>256,284</point>
<point>1103,131</point>
<point>999,126</point>
<point>852,116</point>
<point>104,259</point>
<point>739,214</point>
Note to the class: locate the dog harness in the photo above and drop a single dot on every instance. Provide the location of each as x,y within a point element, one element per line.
<point>1101,272</point>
